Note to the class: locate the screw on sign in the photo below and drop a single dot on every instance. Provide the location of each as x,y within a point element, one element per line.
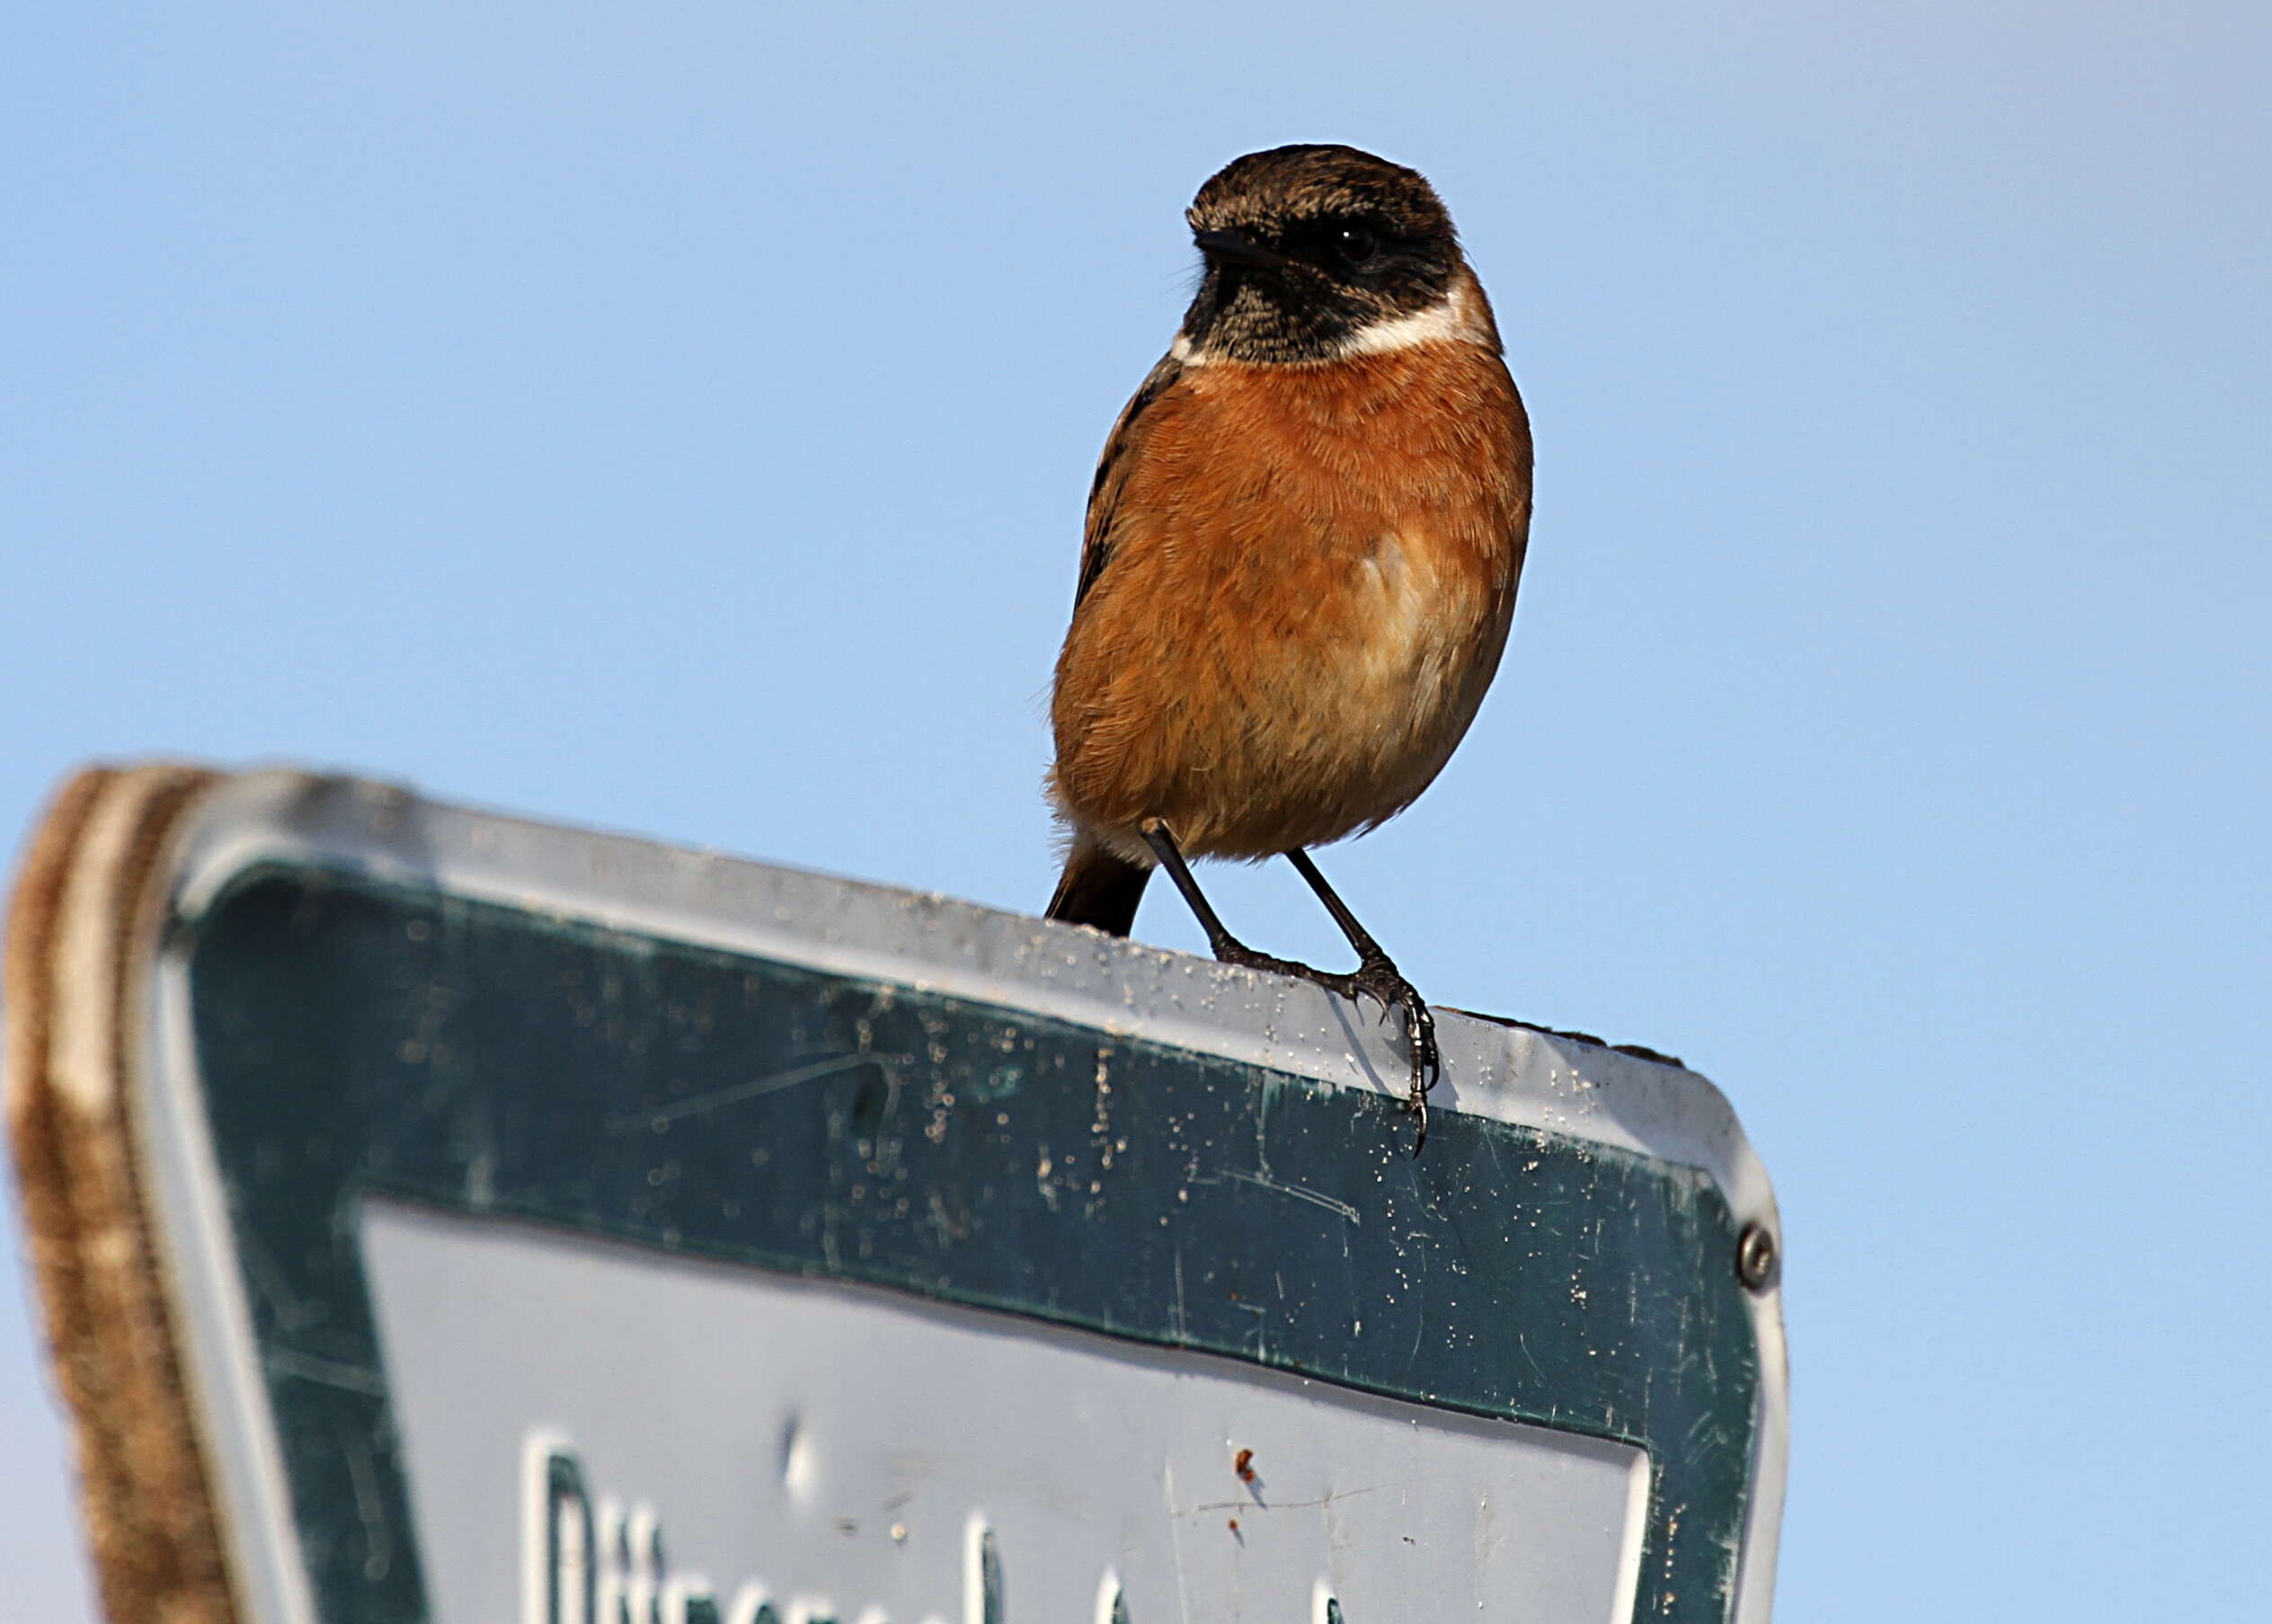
<point>1756,1258</point>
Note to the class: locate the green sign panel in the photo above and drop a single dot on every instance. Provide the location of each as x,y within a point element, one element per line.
<point>833,1292</point>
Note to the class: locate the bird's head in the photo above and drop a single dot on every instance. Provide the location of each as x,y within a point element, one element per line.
<point>1314,254</point>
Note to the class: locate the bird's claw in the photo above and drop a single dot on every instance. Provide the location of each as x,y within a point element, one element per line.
<point>1381,981</point>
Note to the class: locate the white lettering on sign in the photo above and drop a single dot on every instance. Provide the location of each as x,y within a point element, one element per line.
<point>596,1562</point>
<point>667,1441</point>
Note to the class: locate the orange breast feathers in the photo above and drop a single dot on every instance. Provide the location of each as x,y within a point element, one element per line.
<point>1297,584</point>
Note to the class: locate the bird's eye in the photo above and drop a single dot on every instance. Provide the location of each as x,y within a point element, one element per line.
<point>1356,244</point>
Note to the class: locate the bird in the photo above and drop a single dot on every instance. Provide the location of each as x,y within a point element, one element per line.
<point>1299,567</point>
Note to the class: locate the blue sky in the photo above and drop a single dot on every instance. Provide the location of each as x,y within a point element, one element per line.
<point>676,419</point>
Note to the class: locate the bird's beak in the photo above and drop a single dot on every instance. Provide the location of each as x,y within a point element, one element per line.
<point>1228,248</point>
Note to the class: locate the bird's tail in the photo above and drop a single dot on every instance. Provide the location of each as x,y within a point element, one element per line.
<point>1098,889</point>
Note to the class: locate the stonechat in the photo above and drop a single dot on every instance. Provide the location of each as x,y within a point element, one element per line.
<point>1301,557</point>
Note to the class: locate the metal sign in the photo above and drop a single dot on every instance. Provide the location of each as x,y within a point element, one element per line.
<point>545,1226</point>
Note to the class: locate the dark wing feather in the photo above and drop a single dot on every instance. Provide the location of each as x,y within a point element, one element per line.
<point>1113,470</point>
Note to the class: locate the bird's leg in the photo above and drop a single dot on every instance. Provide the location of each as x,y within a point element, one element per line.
<point>1224,945</point>
<point>1375,977</point>
<point>1379,978</point>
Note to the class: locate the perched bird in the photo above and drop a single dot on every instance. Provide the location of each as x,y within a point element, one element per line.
<point>1300,556</point>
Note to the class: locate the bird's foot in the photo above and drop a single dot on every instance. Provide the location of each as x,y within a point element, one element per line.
<point>1380,980</point>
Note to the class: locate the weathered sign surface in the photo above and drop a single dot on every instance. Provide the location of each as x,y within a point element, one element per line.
<point>446,1217</point>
